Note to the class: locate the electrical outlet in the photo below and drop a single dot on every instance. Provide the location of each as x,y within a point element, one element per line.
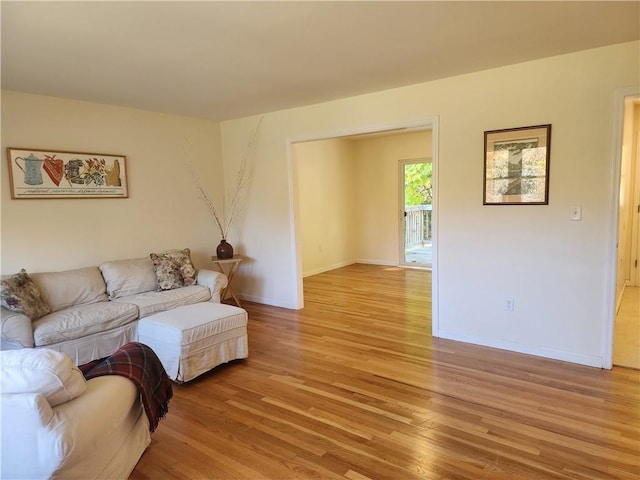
<point>508,304</point>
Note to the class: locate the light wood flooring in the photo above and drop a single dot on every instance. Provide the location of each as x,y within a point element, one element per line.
<point>354,387</point>
<point>626,344</point>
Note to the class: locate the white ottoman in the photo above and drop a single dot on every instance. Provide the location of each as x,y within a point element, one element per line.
<point>192,339</point>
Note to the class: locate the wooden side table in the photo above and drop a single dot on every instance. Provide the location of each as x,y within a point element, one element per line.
<point>228,267</point>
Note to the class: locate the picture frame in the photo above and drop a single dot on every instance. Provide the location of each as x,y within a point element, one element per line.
<point>516,166</point>
<point>36,173</point>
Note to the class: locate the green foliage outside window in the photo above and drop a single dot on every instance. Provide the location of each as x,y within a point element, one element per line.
<point>418,188</point>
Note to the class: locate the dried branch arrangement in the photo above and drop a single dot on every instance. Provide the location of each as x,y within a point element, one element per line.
<point>224,219</point>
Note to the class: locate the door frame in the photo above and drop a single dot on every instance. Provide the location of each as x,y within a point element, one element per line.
<point>428,123</point>
<point>401,210</point>
<point>635,235</point>
<point>610,282</point>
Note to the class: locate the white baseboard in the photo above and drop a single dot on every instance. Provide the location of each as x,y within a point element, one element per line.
<point>265,301</point>
<point>276,303</point>
<point>581,359</point>
<point>377,262</point>
<point>328,268</point>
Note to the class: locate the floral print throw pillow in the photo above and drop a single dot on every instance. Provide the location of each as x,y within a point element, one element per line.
<point>167,272</point>
<point>174,269</point>
<point>19,294</point>
<point>187,270</point>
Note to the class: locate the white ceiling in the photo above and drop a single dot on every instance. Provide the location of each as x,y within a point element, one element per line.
<point>223,60</point>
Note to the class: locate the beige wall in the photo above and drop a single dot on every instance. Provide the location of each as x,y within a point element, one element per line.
<point>348,200</point>
<point>554,269</point>
<point>162,211</point>
<point>377,192</point>
<point>326,179</point>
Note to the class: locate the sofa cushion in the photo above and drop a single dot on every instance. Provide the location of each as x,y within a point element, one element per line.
<point>71,287</point>
<point>173,269</point>
<point>128,277</point>
<point>149,303</point>
<point>20,294</point>
<point>82,320</point>
<point>41,371</point>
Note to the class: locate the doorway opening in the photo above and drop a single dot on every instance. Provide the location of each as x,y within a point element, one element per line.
<point>626,338</point>
<point>368,215</point>
<point>416,213</point>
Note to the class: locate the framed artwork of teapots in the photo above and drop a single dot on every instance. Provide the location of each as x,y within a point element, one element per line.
<point>36,173</point>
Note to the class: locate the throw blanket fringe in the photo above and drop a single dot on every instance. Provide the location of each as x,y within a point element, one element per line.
<point>141,365</point>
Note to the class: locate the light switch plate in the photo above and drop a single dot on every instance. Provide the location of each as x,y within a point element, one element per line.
<point>576,212</point>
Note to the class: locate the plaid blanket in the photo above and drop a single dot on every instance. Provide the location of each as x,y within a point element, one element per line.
<point>140,364</point>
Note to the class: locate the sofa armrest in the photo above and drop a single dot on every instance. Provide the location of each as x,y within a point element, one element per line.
<point>16,330</point>
<point>25,453</point>
<point>214,281</point>
<point>106,403</point>
<point>38,440</point>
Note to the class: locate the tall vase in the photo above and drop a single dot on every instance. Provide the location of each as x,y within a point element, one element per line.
<point>224,250</point>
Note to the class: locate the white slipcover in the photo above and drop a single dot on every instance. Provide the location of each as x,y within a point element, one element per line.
<point>99,433</point>
<point>192,339</point>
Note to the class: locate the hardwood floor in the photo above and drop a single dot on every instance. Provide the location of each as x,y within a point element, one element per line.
<point>354,387</point>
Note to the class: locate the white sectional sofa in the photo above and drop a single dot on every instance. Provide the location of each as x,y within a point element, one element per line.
<point>95,310</point>
<point>56,424</point>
